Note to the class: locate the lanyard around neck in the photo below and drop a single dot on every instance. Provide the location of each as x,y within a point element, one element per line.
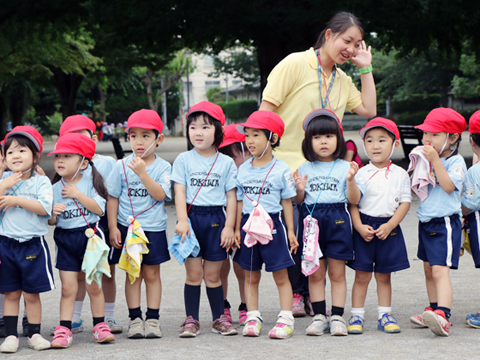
<point>261,189</point>
<point>321,189</point>
<point>320,75</point>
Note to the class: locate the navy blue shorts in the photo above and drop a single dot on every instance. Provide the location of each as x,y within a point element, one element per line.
<point>70,247</point>
<point>25,265</point>
<point>439,241</point>
<point>335,228</point>
<point>382,256</point>
<point>208,223</point>
<point>473,226</point>
<point>275,255</point>
<point>157,248</point>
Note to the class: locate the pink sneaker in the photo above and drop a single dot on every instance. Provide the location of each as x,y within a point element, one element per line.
<point>228,314</point>
<point>298,306</point>
<point>437,322</point>
<point>62,338</point>
<point>102,333</point>
<point>242,317</point>
<point>418,319</point>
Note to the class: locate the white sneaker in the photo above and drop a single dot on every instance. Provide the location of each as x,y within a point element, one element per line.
<point>37,342</point>
<point>10,345</point>
<point>318,326</point>
<point>338,326</point>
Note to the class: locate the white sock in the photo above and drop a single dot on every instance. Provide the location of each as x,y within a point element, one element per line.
<point>287,317</point>
<point>109,310</point>
<point>359,312</point>
<point>2,300</point>
<point>253,314</point>
<point>382,310</point>
<point>77,311</point>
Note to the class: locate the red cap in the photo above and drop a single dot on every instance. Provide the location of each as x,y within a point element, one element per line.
<point>29,132</point>
<point>387,124</point>
<point>72,143</point>
<point>77,123</point>
<point>211,109</point>
<point>320,112</point>
<point>145,119</point>
<point>231,135</point>
<point>266,120</point>
<point>443,120</point>
<point>474,123</point>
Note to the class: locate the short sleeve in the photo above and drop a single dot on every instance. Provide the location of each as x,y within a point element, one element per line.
<point>231,176</point>
<point>471,193</point>
<point>164,180</point>
<point>239,190</point>
<point>354,96</point>
<point>178,172</point>
<point>99,200</point>
<point>406,194</point>
<point>456,171</point>
<point>114,181</point>
<point>45,195</point>
<point>289,190</point>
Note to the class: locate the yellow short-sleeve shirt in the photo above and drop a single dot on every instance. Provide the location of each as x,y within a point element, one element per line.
<point>294,88</point>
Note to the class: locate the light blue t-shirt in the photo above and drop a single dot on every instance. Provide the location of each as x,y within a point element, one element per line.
<point>471,189</point>
<point>154,219</point>
<point>335,189</point>
<point>439,203</point>
<point>279,185</point>
<point>21,224</point>
<point>103,164</point>
<point>72,218</point>
<point>190,169</point>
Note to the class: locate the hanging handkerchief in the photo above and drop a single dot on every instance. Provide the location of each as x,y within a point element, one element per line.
<point>258,227</point>
<point>311,249</point>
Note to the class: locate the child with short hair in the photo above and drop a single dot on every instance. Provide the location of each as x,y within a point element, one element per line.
<point>325,183</point>
<point>138,187</point>
<point>377,238</point>
<point>264,180</point>
<point>26,203</point>
<point>440,228</point>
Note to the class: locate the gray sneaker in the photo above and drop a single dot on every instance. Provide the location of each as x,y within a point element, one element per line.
<point>152,329</point>
<point>115,327</point>
<point>338,326</point>
<point>318,326</point>
<point>136,329</point>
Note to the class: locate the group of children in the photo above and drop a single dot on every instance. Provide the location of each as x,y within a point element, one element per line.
<point>232,197</point>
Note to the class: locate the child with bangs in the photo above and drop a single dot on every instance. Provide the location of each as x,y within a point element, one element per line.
<point>325,183</point>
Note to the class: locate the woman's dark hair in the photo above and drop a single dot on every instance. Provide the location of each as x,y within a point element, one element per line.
<point>322,125</point>
<point>229,149</point>
<point>338,24</point>
<point>209,120</point>
<point>97,180</point>
<point>23,141</point>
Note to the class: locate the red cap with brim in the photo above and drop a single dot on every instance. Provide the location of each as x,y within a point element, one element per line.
<point>211,109</point>
<point>145,119</point>
<point>29,132</point>
<point>77,123</point>
<point>474,123</point>
<point>231,135</point>
<point>263,120</point>
<point>387,124</point>
<point>443,120</point>
<point>73,143</point>
<point>320,112</point>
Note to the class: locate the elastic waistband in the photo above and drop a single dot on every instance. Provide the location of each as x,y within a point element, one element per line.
<point>15,242</point>
<point>441,220</point>
<point>326,206</point>
<point>374,219</point>
<point>82,228</point>
<point>205,209</point>
<point>272,215</point>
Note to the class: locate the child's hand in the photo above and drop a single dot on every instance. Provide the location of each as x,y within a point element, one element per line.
<point>430,153</point>
<point>13,179</point>
<point>300,182</point>
<point>383,231</point>
<point>58,209</point>
<point>238,238</point>
<point>138,166</point>
<point>116,238</point>
<point>8,202</point>
<point>293,242</point>
<point>182,229</point>
<point>70,191</point>
<point>352,171</point>
<point>227,238</point>
<point>367,232</point>
<point>363,58</point>
<point>39,170</point>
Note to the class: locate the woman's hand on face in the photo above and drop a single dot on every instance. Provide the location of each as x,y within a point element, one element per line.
<point>363,58</point>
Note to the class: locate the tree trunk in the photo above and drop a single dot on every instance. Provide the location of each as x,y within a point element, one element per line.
<point>67,86</point>
<point>18,104</point>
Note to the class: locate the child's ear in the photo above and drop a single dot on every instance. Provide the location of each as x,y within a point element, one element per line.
<point>84,164</point>
<point>397,144</point>
<point>160,139</point>
<point>274,139</point>
<point>453,138</point>
<point>95,138</point>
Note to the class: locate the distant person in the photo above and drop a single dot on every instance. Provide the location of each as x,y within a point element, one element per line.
<point>352,153</point>
<point>310,80</point>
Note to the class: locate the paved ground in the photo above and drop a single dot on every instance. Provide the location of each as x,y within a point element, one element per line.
<point>409,297</point>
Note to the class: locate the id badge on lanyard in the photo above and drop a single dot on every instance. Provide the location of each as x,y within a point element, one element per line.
<point>329,90</point>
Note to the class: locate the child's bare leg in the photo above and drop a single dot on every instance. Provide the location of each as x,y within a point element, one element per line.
<point>252,280</point>
<point>240,274</point>
<point>336,274</point>
<point>384,289</point>
<point>97,301</point>
<point>153,284</point>
<point>81,287</point>
<point>69,292</point>
<point>34,307</point>
<point>224,276</point>
<point>109,286</point>
<point>431,287</point>
<point>284,289</point>
<point>132,291</point>
<point>211,274</point>
<point>444,286</point>
<point>360,286</point>
<point>12,303</point>
<point>316,283</point>
<point>193,281</point>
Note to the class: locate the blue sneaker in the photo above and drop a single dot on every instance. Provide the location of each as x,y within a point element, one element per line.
<point>77,327</point>
<point>475,316</point>
<point>474,322</point>
<point>388,324</point>
<point>355,325</point>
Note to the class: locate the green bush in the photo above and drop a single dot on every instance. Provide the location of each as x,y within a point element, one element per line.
<point>411,119</point>
<point>238,109</point>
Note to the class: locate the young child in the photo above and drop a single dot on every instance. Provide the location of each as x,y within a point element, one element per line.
<point>79,201</point>
<point>104,164</point>
<point>377,239</point>
<point>138,187</point>
<point>26,200</point>
<point>266,181</point>
<point>325,183</point>
<point>471,203</point>
<point>439,229</point>
<point>234,147</point>
<point>204,182</point>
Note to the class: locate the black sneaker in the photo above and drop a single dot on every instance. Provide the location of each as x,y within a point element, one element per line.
<point>3,333</point>
<point>25,326</point>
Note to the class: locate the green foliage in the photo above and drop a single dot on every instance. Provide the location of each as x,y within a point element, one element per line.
<point>238,109</point>
<point>411,119</point>
<point>240,62</point>
<point>467,85</point>
<point>54,122</point>
<point>213,95</point>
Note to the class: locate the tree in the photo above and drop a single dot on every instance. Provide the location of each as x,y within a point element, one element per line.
<point>467,85</point>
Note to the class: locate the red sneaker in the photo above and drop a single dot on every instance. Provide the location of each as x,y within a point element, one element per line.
<point>298,306</point>
<point>418,320</point>
<point>437,322</point>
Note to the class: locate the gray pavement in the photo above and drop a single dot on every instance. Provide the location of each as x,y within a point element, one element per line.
<point>409,297</point>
